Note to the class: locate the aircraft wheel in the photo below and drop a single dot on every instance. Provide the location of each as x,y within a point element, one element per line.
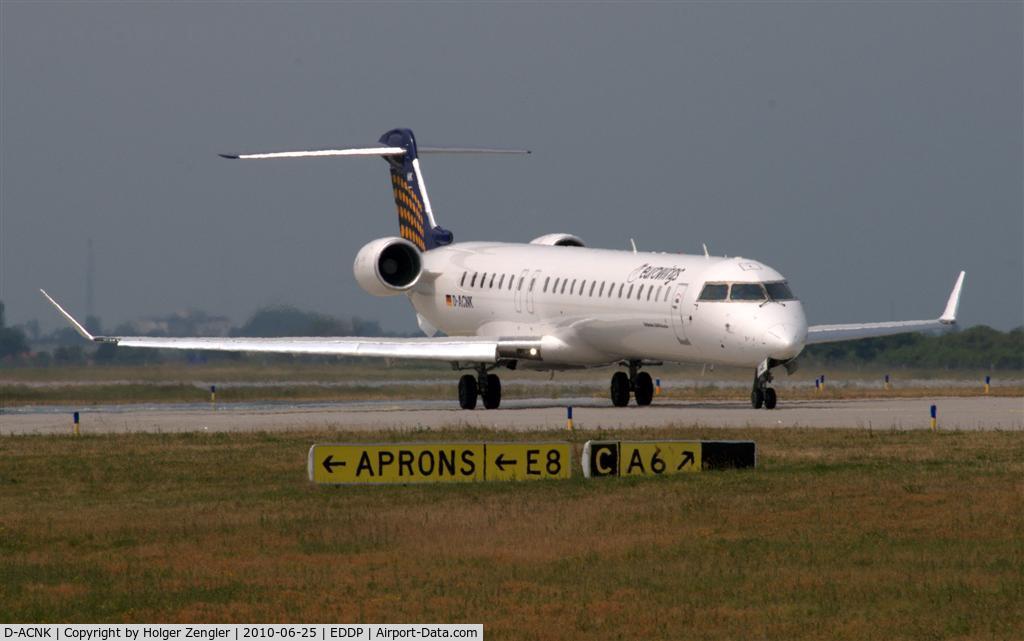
<point>467,392</point>
<point>620,389</point>
<point>643,389</point>
<point>756,398</point>
<point>769,398</point>
<point>492,392</point>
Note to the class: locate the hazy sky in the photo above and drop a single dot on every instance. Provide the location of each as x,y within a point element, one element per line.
<point>867,151</point>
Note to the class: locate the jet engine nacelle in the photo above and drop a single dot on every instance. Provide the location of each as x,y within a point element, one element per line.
<point>388,266</point>
<point>558,240</point>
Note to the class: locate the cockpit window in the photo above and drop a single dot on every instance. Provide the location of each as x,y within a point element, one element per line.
<point>747,291</point>
<point>714,291</point>
<point>779,291</point>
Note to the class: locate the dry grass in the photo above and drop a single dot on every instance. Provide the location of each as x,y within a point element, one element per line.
<point>838,534</point>
<point>126,393</point>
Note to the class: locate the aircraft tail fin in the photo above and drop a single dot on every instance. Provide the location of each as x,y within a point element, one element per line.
<point>416,221</point>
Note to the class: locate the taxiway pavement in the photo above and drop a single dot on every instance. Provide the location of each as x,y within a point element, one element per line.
<point>976,413</point>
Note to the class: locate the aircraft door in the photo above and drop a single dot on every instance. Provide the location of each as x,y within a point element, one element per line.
<point>534,280</point>
<point>679,317</point>
<point>520,289</point>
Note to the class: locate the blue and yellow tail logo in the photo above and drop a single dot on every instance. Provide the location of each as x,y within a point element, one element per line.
<point>413,219</point>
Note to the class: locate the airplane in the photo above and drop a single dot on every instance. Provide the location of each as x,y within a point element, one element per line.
<point>556,304</point>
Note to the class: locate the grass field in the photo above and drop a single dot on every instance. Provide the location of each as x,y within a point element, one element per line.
<point>838,534</point>
<point>13,395</point>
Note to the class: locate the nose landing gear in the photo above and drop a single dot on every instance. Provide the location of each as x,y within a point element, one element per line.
<point>762,395</point>
<point>637,382</point>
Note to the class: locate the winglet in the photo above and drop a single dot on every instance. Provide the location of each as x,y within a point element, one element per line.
<point>71,319</point>
<point>949,315</point>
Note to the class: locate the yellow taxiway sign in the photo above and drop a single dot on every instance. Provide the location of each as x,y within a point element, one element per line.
<point>527,461</point>
<point>387,463</point>
<point>396,463</point>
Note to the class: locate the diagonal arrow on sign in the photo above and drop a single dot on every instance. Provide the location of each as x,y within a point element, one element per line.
<point>329,463</point>
<point>687,459</point>
<point>501,462</point>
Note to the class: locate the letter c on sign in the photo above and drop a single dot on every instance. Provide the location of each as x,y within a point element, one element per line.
<point>600,457</point>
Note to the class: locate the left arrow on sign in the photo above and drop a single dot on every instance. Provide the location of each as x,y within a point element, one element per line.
<point>501,462</point>
<point>329,463</point>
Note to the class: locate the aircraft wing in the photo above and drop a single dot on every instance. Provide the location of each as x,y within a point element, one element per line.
<point>450,349</point>
<point>835,333</point>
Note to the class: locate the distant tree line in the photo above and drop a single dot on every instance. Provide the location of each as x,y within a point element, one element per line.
<point>12,340</point>
<point>26,345</point>
<point>290,321</point>
<point>979,347</point>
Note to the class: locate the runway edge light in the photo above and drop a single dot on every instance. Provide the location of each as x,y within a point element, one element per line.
<point>568,418</point>
<point>988,381</point>
<point>935,416</point>
<point>75,419</point>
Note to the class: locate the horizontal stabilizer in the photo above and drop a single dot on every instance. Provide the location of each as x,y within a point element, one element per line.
<point>369,151</point>
<point>470,150</point>
<point>320,153</point>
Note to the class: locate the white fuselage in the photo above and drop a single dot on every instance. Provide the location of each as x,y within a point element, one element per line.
<point>597,306</point>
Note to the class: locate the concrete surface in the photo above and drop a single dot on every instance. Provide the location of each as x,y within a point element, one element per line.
<point>977,413</point>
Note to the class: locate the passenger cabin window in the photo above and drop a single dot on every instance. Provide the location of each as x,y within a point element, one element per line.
<point>629,294</point>
<point>600,292</point>
<point>592,286</point>
<point>779,291</point>
<point>564,283</point>
<point>714,292</point>
<point>462,283</point>
<point>583,285</point>
<point>546,281</point>
<point>483,279</point>
<point>501,281</point>
<point>747,291</point>
<point>490,285</point>
<point>472,283</point>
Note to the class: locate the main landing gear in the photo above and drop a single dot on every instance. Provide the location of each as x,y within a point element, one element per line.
<point>637,382</point>
<point>483,385</point>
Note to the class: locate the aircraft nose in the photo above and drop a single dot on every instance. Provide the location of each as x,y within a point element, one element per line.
<point>785,341</point>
